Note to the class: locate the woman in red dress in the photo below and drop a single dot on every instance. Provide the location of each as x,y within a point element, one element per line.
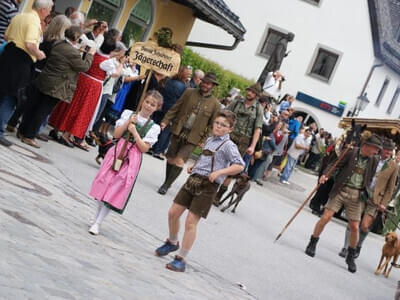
<point>74,118</point>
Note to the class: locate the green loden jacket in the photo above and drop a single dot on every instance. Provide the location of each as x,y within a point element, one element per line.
<point>60,74</point>
<point>177,116</point>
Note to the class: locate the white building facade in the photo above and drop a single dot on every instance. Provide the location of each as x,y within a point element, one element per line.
<point>335,46</point>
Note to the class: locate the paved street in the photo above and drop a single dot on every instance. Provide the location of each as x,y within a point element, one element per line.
<point>48,254</point>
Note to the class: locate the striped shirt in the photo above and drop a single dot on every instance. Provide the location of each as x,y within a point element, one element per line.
<point>226,156</point>
<point>8,9</point>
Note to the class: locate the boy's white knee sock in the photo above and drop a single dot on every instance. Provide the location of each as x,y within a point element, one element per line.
<point>173,239</point>
<point>183,253</point>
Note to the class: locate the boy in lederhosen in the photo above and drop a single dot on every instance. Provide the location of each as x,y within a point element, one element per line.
<point>220,157</point>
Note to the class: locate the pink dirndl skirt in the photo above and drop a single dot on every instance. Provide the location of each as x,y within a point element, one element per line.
<point>114,188</point>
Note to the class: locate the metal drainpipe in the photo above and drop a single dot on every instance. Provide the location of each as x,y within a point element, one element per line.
<point>369,77</point>
<point>214,46</point>
<point>352,113</point>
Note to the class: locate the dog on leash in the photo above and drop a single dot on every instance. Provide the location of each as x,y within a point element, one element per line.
<point>391,249</point>
<point>241,186</point>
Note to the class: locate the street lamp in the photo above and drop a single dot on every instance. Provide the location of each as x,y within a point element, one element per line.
<point>361,104</point>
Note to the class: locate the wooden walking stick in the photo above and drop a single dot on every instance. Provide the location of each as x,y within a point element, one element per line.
<point>328,174</point>
<point>146,85</point>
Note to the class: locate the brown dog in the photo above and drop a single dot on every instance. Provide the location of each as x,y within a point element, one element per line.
<point>389,250</point>
<point>241,186</point>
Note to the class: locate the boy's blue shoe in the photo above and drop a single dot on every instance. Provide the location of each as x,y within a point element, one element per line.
<point>166,248</point>
<point>177,265</point>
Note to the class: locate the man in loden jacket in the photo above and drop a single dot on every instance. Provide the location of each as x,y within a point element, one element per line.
<point>190,120</point>
<point>379,194</point>
<point>247,130</point>
<point>354,174</point>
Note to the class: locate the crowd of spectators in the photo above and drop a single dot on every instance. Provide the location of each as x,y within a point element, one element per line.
<point>287,138</point>
<point>76,76</point>
<point>72,74</point>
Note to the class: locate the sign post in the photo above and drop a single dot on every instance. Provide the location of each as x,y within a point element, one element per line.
<point>156,59</point>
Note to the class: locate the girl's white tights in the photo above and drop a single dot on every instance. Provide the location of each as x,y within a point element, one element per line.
<point>99,206</point>
<point>102,212</point>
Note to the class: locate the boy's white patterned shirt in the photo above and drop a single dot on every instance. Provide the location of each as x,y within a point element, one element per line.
<point>226,156</point>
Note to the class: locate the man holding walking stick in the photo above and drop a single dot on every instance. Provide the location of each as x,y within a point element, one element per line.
<point>353,174</point>
<point>379,194</point>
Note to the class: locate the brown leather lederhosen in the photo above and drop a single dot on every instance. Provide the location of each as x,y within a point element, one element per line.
<point>198,192</point>
<point>195,181</point>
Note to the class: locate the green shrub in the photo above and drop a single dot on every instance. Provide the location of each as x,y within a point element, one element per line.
<point>226,78</point>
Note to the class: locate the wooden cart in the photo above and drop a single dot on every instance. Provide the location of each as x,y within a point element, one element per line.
<point>389,128</point>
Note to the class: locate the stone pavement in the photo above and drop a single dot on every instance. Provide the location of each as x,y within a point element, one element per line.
<point>48,254</point>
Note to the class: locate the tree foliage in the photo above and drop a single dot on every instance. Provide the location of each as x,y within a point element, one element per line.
<point>227,79</point>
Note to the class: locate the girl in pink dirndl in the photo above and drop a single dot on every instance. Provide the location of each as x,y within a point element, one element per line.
<point>112,189</point>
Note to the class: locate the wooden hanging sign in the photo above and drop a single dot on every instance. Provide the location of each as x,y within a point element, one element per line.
<point>153,57</point>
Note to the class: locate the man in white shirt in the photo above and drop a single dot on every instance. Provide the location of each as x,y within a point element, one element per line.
<point>97,35</point>
<point>273,84</point>
<point>298,147</point>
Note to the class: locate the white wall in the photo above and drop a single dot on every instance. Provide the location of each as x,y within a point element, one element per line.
<point>373,89</point>
<point>341,25</point>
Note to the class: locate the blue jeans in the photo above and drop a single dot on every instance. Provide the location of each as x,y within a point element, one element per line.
<point>7,107</point>
<point>254,168</point>
<point>287,171</point>
<point>259,174</point>
<point>247,159</point>
<point>44,124</point>
<point>163,141</point>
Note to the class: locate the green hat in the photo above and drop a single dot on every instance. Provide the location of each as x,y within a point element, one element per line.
<point>256,88</point>
<point>388,144</point>
<point>374,140</point>
<point>210,77</point>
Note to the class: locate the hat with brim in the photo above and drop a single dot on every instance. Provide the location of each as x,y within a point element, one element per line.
<point>374,140</point>
<point>210,77</point>
<point>255,88</point>
<point>388,144</point>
